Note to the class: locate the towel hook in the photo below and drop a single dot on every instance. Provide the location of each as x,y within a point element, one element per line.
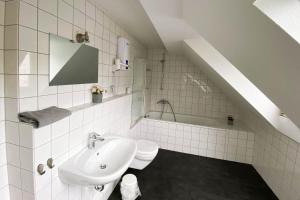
<point>40,169</point>
<point>50,163</point>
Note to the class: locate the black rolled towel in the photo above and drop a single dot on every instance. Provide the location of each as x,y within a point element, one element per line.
<point>43,117</point>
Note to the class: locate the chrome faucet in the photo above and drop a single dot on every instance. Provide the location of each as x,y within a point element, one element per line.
<point>93,138</point>
<point>164,102</point>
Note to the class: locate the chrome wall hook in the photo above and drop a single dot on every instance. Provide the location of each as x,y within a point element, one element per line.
<point>40,169</point>
<point>50,163</point>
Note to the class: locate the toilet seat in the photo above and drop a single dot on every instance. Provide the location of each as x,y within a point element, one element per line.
<point>146,150</point>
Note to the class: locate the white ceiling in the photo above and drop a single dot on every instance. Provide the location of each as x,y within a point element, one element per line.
<point>248,40</point>
<point>130,15</point>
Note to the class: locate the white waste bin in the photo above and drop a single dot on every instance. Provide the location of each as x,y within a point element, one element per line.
<point>129,187</point>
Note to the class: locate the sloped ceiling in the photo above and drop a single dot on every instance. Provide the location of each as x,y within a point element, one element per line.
<point>264,55</point>
<point>247,38</point>
<point>254,44</point>
<point>130,15</point>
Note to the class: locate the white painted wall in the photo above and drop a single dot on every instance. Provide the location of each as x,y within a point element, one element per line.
<point>285,13</point>
<point>131,16</point>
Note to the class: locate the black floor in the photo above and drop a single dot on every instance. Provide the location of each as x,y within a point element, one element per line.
<point>178,176</point>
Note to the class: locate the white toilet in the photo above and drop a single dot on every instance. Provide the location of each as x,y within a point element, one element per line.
<point>146,152</point>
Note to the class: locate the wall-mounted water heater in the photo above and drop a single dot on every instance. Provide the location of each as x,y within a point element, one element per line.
<point>122,61</point>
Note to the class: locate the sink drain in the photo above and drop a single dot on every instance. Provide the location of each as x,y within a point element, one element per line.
<point>102,166</point>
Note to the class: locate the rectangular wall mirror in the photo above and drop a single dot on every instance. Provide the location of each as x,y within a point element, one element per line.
<point>71,63</point>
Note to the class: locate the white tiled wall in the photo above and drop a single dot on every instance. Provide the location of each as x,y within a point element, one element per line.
<point>4,188</point>
<point>28,25</point>
<point>276,158</point>
<point>186,87</point>
<point>234,144</point>
<point>60,141</point>
<point>25,74</point>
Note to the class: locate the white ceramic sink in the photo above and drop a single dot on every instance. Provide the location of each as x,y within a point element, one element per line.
<point>103,164</point>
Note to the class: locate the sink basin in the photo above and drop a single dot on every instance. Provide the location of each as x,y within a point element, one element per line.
<point>101,165</point>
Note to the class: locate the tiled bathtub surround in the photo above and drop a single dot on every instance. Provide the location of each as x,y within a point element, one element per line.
<point>234,144</point>
<point>186,87</point>
<point>60,141</point>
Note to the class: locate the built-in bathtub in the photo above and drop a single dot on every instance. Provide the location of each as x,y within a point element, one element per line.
<point>188,119</point>
<point>210,137</point>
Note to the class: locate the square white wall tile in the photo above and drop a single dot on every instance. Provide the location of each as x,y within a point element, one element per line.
<point>47,23</point>
<point>27,39</point>
<point>64,89</point>
<point>60,146</point>
<point>11,86</point>
<point>47,101</point>
<point>11,109</point>
<point>78,98</point>
<point>76,120</point>
<point>60,127</point>
<point>28,85</point>
<point>28,104</point>
<point>42,135</point>
<point>11,37</point>
<point>27,181</point>
<point>43,43</point>
<point>12,133</point>
<point>11,12</point>
<point>65,29</point>
<point>79,19</point>
<point>2,7</point>
<point>15,193</point>
<point>43,64</point>
<point>26,159</point>
<point>65,100</point>
<point>27,62</point>
<point>80,5</point>
<point>13,154</point>
<point>65,11</point>
<point>48,6</point>
<point>44,88</point>
<point>90,10</point>
<point>90,25</point>
<point>28,15</point>
<point>26,139</point>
